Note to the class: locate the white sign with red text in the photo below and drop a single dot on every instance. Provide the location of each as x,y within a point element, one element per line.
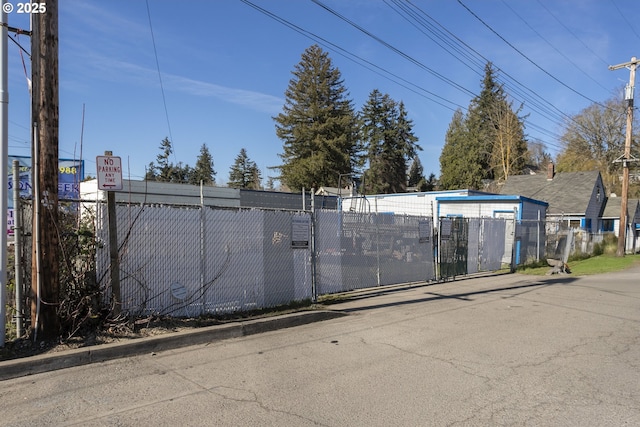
<point>109,173</point>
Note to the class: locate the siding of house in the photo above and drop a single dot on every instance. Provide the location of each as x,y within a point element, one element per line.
<point>533,211</point>
<point>489,206</point>
<point>595,207</point>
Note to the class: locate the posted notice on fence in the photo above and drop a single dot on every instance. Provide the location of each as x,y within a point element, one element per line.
<point>424,231</point>
<point>300,232</point>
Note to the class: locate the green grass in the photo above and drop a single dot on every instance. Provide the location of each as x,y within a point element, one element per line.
<point>594,265</point>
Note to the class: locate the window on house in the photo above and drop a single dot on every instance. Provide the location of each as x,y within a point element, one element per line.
<point>608,224</point>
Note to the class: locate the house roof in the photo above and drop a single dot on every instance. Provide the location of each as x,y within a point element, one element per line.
<point>612,208</point>
<point>567,193</point>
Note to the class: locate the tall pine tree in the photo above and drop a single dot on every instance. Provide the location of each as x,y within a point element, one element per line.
<point>391,144</point>
<point>480,126</point>
<point>165,170</point>
<point>318,125</point>
<point>244,173</point>
<point>459,165</point>
<point>203,172</point>
<point>487,143</point>
<point>416,172</point>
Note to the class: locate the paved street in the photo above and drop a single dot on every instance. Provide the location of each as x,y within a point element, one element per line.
<point>504,350</point>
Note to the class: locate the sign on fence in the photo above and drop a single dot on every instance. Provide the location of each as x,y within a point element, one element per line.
<point>300,231</point>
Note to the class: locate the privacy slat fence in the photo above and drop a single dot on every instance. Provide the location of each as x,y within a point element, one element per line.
<point>187,261</point>
<point>194,260</point>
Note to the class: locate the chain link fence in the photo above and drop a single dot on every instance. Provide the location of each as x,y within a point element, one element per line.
<point>190,261</point>
<point>187,261</point>
<point>361,250</point>
<point>474,245</point>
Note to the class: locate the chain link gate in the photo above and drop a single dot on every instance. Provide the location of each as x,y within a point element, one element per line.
<point>453,248</point>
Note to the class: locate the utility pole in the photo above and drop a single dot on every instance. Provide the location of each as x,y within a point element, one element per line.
<point>45,287</point>
<point>626,158</point>
<point>4,148</point>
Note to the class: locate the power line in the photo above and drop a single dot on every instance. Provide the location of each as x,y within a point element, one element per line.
<point>417,89</point>
<point>525,56</point>
<point>396,50</point>
<point>576,66</point>
<point>155,52</point>
<point>462,50</point>
<point>448,42</point>
<point>572,33</point>
<point>625,19</point>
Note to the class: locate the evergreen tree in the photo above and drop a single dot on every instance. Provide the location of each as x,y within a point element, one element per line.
<point>459,163</point>
<point>488,143</point>
<point>318,125</point>
<point>180,173</point>
<point>203,171</point>
<point>244,173</point>
<point>415,172</point>
<point>388,135</point>
<point>497,130</point>
<point>479,124</point>
<point>270,184</point>
<point>151,172</point>
<point>163,170</point>
<point>417,179</point>
<point>430,183</point>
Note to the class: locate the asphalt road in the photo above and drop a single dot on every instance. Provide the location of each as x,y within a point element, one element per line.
<point>507,350</point>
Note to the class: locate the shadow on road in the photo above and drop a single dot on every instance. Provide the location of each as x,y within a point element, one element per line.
<point>434,296</point>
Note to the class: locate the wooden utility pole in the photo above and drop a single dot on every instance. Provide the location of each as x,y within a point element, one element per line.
<point>626,158</point>
<point>45,283</point>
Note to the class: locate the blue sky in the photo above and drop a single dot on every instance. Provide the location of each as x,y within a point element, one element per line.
<point>224,67</point>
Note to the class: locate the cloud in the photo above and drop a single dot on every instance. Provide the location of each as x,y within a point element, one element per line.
<point>126,73</point>
<point>250,99</point>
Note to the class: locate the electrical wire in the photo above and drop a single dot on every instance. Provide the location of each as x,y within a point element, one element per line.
<point>453,45</point>
<point>164,99</point>
<point>572,33</point>
<point>466,54</point>
<point>396,50</point>
<point>525,56</point>
<point>418,90</point>
<point>576,66</point>
<point>633,30</point>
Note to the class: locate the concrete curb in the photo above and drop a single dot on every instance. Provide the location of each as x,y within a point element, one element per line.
<point>83,356</point>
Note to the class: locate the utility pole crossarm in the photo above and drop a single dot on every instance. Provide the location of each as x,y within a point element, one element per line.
<point>631,63</point>
<point>15,30</point>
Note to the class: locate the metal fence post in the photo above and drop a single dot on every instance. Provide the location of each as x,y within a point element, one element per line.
<point>314,291</point>
<point>203,264</point>
<point>514,248</point>
<point>17,246</point>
